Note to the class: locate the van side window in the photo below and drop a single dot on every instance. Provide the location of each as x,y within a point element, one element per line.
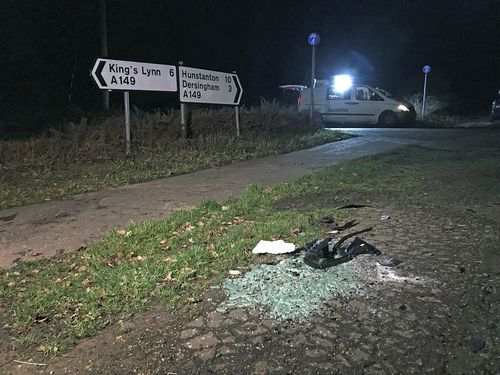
<point>336,95</point>
<point>362,93</point>
<point>375,97</point>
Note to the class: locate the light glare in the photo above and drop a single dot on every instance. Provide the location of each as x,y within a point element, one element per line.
<point>342,82</point>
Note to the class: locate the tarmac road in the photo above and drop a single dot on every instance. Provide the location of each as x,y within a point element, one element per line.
<point>45,229</point>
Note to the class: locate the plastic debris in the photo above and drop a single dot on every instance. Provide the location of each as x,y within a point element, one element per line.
<point>385,217</point>
<point>234,272</point>
<point>351,206</point>
<point>324,254</point>
<point>390,262</point>
<point>9,217</point>
<point>358,246</point>
<point>290,290</point>
<point>338,228</point>
<point>328,252</point>
<point>273,247</point>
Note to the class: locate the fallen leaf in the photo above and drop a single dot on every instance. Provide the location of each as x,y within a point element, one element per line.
<point>211,248</point>
<point>121,232</point>
<point>267,189</point>
<point>225,208</point>
<point>238,220</point>
<point>165,245</point>
<point>41,319</point>
<point>86,282</point>
<point>166,280</point>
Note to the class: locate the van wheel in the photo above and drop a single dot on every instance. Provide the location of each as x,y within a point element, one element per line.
<point>388,118</point>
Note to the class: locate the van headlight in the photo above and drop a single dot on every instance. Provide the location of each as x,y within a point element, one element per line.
<point>403,108</point>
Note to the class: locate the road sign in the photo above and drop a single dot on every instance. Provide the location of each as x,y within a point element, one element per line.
<point>426,69</point>
<point>313,39</point>
<point>131,75</point>
<point>208,86</point>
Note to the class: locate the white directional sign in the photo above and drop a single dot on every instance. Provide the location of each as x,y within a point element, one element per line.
<point>208,86</point>
<point>131,75</point>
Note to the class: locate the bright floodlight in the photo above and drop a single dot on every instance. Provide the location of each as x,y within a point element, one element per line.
<point>342,82</point>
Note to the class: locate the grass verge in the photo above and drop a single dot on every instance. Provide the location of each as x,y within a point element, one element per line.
<point>49,305</point>
<point>37,183</point>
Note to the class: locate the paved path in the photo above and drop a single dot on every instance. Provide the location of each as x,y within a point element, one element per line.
<point>45,229</point>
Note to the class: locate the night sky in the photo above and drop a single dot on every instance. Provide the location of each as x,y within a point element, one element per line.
<point>49,47</point>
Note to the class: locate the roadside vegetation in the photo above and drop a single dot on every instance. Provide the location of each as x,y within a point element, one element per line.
<point>90,155</point>
<point>47,306</point>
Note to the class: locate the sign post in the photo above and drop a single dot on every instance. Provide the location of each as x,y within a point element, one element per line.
<point>131,75</point>
<point>184,131</point>
<point>426,69</point>
<point>126,105</point>
<point>237,116</point>
<point>313,40</point>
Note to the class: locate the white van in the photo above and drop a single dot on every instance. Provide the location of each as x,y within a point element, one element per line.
<point>357,104</point>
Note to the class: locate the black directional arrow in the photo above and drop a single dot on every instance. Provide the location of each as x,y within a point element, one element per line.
<point>238,90</point>
<point>98,73</point>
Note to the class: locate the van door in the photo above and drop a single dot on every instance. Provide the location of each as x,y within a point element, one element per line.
<point>369,105</point>
<point>366,105</point>
<point>338,108</point>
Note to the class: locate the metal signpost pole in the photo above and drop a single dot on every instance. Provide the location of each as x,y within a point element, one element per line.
<point>183,113</point>
<point>313,75</point>
<point>313,40</point>
<point>426,69</point>
<point>126,102</point>
<point>237,116</point>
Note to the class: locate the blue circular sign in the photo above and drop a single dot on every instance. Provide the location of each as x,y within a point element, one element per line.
<point>313,39</point>
<point>426,69</point>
